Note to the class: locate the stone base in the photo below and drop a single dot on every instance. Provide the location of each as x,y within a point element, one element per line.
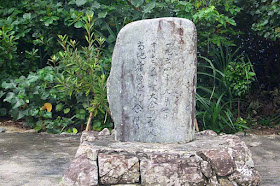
<point>208,160</point>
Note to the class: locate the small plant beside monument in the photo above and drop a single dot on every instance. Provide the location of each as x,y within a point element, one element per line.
<point>82,70</point>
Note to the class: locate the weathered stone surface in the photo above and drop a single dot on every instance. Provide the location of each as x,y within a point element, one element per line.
<point>170,169</point>
<point>152,84</point>
<point>213,181</point>
<point>87,136</point>
<point>207,133</point>
<point>246,176</point>
<point>209,160</point>
<point>127,185</point>
<point>104,132</point>
<point>226,182</point>
<point>118,168</point>
<point>206,169</point>
<point>88,151</point>
<point>82,171</point>
<point>220,161</point>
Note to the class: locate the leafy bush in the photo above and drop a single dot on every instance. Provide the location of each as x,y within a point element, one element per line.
<point>266,18</point>
<point>29,33</point>
<point>239,77</point>
<point>83,71</point>
<point>27,95</point>
<point>215,95</point>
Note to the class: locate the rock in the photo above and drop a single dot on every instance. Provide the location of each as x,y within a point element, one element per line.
<point>207,133</point>
<point>88,136</point>
<point>206,169</point>
<point>118,168</point>
<point>127,185</point>
<point>30,131</point>
<point>208,160</point>
<point>254,144</point>
<point>86,149</point>
<point>220,160</point>
<point>2,129</point>
<point>226,182</point>
<point>113,132</point>
<point>82,171</point>
<point>152,83</point>
<point>105,132</point>
<point>167,169</point>
<point>213,181</point>
<point>246,176</point>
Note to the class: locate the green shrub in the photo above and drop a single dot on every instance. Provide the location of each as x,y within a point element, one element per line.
<point>216,100</point>
<point>27,95</point>
<point>240,76</point>
<point>82,70</point>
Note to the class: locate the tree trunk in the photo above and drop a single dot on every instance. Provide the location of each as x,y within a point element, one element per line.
<point>89,121</point>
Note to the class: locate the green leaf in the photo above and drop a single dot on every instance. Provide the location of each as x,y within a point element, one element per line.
<point>19,103</point>
<point>47,115</point>
<point>6,85</point>
<point>66,111</point>
<point>251,74</point>
<point>49,77</point>
<point>33,112</point>
<point>59,107</point>
<point>95,4</point>
<point>80,2</point>
<point>102,14</point>
<point>75,131</point>
<point>27,16</point>
<point>38,126</point>
<point>2,94</point>
<point>21,114</point>
<point>151,5</point>
<point>79,24</point>
<point>48,22</point>
<point>9,97</point>
<point>137,3</point>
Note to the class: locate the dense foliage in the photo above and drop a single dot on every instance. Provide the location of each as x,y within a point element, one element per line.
<point>43,55</point>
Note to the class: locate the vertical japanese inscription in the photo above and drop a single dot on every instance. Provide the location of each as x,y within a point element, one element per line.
<point>139,85</point>
<point>153,100</point>
<point>152,92</point>
<point>167,67</point>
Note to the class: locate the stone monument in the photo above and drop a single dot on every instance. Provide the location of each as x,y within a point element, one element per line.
<point>152,84</point>
<point>151,91</point>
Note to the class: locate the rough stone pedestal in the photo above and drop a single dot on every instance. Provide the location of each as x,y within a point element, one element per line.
<point>209,160</point>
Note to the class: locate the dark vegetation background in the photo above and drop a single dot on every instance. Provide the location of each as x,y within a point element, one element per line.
<point>238,64</point>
